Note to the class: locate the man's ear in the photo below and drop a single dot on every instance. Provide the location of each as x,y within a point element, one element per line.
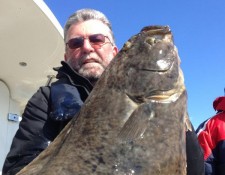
<point>65,57</point>
<point>115,51</point>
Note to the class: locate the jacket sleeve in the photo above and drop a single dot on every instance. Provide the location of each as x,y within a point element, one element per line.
<point>195,157</point>
<point>29,140</point>
<point>65,104</point>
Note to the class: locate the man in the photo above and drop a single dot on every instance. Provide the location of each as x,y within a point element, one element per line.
<point>211,136</point>
<point>89,49</point>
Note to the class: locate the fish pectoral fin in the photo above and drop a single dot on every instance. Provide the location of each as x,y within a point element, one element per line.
<point>135,126</point>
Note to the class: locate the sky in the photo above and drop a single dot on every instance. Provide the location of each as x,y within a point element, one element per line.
<point>198,27</point>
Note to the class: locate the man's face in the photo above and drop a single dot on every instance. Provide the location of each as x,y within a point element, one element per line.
<point>90,60</point>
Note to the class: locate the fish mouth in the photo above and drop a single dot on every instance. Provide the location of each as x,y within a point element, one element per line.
<point>162,96</point>
<point>167,96</point>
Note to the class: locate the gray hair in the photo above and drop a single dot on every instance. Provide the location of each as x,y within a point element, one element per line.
<point>84,15</point>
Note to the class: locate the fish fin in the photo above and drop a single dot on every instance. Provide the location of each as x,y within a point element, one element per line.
<point>188,124</point>
<point>137,123</point>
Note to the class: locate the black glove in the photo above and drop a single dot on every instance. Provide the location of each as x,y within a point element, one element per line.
<point>65,102</point>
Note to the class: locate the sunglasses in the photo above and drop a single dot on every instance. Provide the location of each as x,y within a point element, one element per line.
<point>96,41</point>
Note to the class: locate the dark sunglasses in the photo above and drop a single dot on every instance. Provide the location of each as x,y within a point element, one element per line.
<point>96,41</point>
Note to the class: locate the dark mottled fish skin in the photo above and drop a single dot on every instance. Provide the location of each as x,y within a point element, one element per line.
<point>134,121</point>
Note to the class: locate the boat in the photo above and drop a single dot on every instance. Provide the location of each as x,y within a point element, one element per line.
<point>31,44</point>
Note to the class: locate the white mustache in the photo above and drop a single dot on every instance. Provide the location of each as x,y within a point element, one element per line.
<point>89,58</point>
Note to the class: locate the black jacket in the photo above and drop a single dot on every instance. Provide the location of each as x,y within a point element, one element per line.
<point>44,118</point>
<point>39,126</point>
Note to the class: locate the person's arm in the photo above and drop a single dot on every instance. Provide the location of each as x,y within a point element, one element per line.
<point>65,103</point>
<point>211,136</point>
<point>204,132</point>
<point>195,157</point>
<point>29,140</point>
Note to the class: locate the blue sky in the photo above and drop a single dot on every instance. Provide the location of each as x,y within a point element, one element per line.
<point>198,27</point>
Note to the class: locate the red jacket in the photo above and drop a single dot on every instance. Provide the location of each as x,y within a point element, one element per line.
<point>211,136</point>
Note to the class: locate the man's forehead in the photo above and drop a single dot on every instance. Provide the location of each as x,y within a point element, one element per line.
<point>89,27</point>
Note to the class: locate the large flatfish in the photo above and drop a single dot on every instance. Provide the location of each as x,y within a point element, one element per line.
<point>133,122</point>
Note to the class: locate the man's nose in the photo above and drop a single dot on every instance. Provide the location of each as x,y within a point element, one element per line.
<point>87,47</point>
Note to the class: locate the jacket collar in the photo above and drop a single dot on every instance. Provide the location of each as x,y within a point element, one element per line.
<point>73,76</point>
